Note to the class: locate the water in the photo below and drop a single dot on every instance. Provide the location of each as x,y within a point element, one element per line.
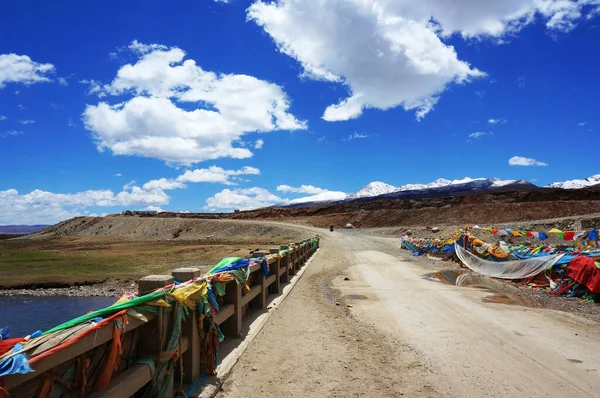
<point>26,314</point>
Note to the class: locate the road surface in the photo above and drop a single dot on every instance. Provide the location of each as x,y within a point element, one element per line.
<point>394,333</point>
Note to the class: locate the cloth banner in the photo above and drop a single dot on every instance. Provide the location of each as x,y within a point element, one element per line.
<point>518,269</point>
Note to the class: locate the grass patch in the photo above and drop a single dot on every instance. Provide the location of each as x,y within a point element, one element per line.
<point>72,261</point>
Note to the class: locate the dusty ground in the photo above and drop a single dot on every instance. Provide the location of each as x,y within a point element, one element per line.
<point>396,333</point>
<point>311,348</point>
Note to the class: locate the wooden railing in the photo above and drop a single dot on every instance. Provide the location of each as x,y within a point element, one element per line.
<point>141,337</point>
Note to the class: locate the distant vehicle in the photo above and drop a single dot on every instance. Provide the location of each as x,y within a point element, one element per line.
<point>331,228</point>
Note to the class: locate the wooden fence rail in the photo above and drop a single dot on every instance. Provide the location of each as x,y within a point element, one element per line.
<point>141,337</point>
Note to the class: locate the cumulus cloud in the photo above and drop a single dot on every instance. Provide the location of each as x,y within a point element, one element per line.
<point>118,175</point>
<point>162,184</point>
<point>2,117</point>
<point>259,144</point>
<point>389,53</point>
<point>580,124</point>
<point>308,189</point>
<point>216,174</point>
<point>254,198</point>
<point>384,58</point>
<point>153,124</point>
<point>497,121</point>
<point>321,197</point>
<point>242,199</point>
<point>522,161</point>
<point>38,206</point>
<point>22,69</point>
<point>26,121</point>
<point>70,123</point>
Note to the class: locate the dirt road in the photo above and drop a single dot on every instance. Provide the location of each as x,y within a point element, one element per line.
<point>405,335</point>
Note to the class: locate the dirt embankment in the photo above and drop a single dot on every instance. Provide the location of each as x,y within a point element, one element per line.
<point>174,228</point>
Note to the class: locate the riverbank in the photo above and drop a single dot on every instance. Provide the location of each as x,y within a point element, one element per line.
<point>104,289</point>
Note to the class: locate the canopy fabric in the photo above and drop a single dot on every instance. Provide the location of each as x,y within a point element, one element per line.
<point>518,269</point>
<point>584,270</point>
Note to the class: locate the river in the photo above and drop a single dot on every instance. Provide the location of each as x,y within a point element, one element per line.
<point>26,314</point>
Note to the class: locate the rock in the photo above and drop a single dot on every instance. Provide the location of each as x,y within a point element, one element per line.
<point>435,230</point>
<point>349,306</point>
<point>408,232</point>
<point>346,279</point>
<point>254,368</point>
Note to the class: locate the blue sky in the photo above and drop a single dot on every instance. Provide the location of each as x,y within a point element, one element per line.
<point>213,106</point>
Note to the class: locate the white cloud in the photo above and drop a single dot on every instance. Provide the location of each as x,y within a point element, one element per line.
<point>321,197</point>
<point>10,133</point>
<point>384,58</point>
<point>155,208</point>
<point>40,206</point>
<point>162,184</point>
<point>216,174</point>
<point>259,144</point>
<point>62,81</point>
<point>26,121</point>
<point>254,198</point>
<point>308,189</point>
<point>356,136</point>
<point>56,106</point>
<point>22,69</point>
<point>242,199</point>
<point>580,124</point>
<point>20,106</point>
<point>477,135</point>
<point>497,121</point>
<point>118,175</point>
<point>213,174</point>
<point>226,106</point>
<point>522,161</point>
<point>320,139</point>
<point>71,123</point>
<point>2,117</point>
<point>389,53</point>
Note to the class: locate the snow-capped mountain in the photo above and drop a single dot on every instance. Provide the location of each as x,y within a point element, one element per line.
<point>377,188</point>
<point>374,188</point>
<point>576,184</point>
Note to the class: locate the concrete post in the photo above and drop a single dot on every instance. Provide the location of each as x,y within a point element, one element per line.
<point>185,274</point>
<point>233,295</point>
<point>259,278</point>
<point>189,329</point>
<point>150,283</point>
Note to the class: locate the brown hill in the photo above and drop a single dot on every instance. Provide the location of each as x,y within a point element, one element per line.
<point>474,209</point>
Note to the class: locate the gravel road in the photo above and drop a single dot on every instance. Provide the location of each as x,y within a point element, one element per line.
<point>385,331</point>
